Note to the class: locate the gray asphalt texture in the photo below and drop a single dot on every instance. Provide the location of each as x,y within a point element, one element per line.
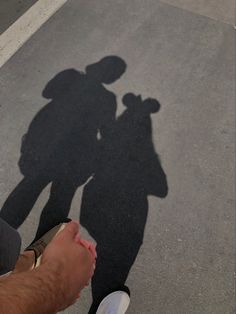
<point>11,10</point>
<point>183,56</point>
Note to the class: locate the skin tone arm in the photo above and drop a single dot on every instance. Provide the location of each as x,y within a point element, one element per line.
<point>66,269</point>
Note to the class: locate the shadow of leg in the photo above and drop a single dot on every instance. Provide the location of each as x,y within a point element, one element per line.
<point>21,201</point>
<point>58,206</point>
<point>113,265</point>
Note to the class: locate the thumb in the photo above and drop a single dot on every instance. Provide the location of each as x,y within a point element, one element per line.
<point>70,231</point>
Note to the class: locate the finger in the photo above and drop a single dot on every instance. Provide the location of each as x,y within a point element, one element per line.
<point>90,246</point>
<point>93,250</point>
<point>77,238</point>
<point>84,243</point>
<point>70,231</point>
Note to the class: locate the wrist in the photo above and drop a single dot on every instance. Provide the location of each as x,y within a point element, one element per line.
<point>52,282</point>
<point>39,291</point>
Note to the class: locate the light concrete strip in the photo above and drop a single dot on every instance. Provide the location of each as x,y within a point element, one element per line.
<point>19,32</point>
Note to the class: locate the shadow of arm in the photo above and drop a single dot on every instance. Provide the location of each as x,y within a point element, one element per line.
<point>60,84</point>
<point>156,179</point>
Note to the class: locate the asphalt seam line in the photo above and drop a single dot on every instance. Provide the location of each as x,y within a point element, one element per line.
<point>23,28</point>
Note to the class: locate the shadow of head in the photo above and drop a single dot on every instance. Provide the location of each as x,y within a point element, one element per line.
<point>135,102</point>
<point>71,82</point>
<point>107,70</point>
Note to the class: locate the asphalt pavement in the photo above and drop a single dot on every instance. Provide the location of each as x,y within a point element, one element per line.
<point>169,166</point>
<point>11,10</point>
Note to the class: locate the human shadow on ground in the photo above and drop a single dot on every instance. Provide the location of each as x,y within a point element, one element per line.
<point>114,204</point>
<point>62,140</point>
<point>76,137</point>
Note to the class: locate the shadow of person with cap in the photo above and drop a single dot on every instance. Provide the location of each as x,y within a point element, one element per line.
<point>61,142</point>
<point>114,204</point>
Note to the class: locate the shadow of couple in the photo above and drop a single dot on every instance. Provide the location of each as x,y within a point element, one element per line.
<point>77,137</point>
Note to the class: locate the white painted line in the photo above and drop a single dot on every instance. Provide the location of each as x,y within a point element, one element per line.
<point>19,32</point>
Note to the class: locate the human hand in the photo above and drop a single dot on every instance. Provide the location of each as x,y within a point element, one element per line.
<point>72,260</point>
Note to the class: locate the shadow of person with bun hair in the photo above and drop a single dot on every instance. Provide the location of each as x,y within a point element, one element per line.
<point>114,205</point>
<point>61,142</point>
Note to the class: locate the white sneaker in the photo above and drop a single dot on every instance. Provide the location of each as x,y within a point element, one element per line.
<point>114,303</point>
